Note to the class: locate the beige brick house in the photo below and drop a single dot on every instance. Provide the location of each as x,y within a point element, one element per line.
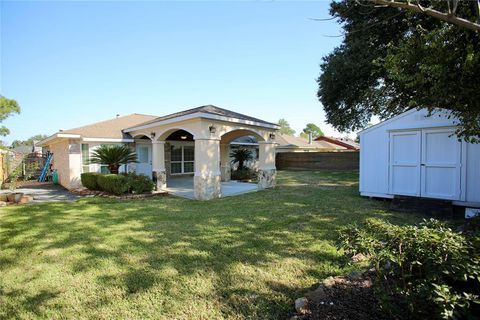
<point>194,142</point>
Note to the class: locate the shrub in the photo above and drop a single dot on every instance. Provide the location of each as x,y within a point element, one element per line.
<point>244,174</point>
<point>90,180</point>
<point>424,271</point>
<point>113,183</point>
<point>139,183</point>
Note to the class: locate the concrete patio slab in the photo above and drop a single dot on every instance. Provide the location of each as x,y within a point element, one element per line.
<point>45,192</point>
<point>183,187</point>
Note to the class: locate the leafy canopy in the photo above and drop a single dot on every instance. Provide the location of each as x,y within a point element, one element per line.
<point>113,156</point>
<point>392,60</point>
<point>314,129</point>
<point>7,108</point>
<point>285,127</point>
<point>29,141</point>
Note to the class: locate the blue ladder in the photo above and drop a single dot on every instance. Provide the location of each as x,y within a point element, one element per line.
<point>43,175</point>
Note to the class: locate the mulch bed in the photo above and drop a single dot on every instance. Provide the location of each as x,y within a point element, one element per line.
<point>27,184</point>
<point>102,194</point>
<point>343,297</point>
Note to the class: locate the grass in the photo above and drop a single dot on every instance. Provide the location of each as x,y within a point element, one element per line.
<point>244,257</point>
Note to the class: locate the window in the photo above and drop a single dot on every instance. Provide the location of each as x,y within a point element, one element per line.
<point>142,154</point>
<point>182,159</point>
<point>85,157</point>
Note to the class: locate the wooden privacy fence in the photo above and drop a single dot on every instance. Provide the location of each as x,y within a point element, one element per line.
<point>318,160</point>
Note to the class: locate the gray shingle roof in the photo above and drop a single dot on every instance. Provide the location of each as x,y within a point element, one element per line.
<point>210,109</point>
<point>111,128</point>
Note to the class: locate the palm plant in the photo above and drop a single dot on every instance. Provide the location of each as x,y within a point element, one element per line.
<point>241,155</point>
<point>113,156</point>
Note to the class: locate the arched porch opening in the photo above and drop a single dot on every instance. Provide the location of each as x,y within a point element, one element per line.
<point>259,144</point>
<point>143,149</point>
<point>173,157</point>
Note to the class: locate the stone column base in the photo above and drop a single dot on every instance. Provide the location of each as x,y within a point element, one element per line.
<point>266,178</point>
<point>207,187</point>
<point>159,179</point>
<point>226,173</point>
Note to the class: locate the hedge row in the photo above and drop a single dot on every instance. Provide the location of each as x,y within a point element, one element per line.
<point>117,183</point>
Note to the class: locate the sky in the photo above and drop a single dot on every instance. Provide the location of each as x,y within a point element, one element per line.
<point>69,63</point>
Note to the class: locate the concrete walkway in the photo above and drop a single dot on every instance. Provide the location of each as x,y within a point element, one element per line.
<point>45,192</point>
<point>183,187</point>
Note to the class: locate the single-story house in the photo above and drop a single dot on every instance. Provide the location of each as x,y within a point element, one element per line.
<point>194,142</point>
<point>286,143</point>
<point>414,154</point>
<point>346,143</point>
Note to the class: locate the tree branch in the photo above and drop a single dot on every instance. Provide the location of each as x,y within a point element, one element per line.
<point>450,18</point>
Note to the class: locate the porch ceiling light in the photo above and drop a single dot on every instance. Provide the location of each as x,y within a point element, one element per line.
<point>212,129</point>
<point>272,136</point>
<point>152,135</point>
<point>183,137</point>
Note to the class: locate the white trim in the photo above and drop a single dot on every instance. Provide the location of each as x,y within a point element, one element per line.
<point>201,115</point>
<point>107,140</point>
<point>57,136</point>
<point>381,123</point>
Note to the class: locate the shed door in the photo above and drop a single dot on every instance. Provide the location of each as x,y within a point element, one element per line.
<point>441,152</point>
<point>405,155</point>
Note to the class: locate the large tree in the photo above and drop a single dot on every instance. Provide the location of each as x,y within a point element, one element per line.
<point>393,59</point>
<point>7,108</point>
<point>285,127</point>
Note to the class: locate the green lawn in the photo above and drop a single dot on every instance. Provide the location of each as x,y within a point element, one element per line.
<point>243,257</point>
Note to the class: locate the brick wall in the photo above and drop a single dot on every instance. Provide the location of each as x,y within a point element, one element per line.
<point>317,160</point>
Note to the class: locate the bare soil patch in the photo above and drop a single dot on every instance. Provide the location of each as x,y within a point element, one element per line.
<point>343,297</point>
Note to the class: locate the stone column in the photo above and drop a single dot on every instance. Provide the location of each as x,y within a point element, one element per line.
<point>159,174</point>
<point>267,172</point>
<point>207,177</point>
<point>225,167</point>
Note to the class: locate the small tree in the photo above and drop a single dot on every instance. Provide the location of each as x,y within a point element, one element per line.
<point>7,108</point>
<point>314,129</point>
<point>113,156</point>
<point>285,127</point>
<point>241,156</point>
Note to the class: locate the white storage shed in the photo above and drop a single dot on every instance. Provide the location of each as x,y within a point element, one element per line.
<point>417,155</point>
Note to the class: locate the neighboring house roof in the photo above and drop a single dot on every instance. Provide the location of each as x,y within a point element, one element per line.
<point>343,142</point>
<point>207,110</point>
<point>25,149</point>
<point>290,142</point>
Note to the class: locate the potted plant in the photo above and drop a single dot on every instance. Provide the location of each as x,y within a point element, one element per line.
<point>14,197</point>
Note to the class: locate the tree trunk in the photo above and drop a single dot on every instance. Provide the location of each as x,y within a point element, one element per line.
<point>113,168</point>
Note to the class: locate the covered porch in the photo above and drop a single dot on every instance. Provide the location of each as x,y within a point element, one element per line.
<point>188,154</point>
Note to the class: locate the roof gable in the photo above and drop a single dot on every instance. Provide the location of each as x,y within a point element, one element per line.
<point>207,109</point>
